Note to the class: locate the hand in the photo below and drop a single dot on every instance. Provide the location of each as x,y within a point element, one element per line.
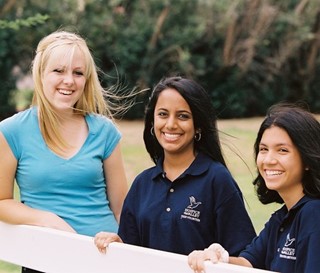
<point>103,239</point>
<point>215,253</point>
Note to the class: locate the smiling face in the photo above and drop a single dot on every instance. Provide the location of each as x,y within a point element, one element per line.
<point>173,124</point>
<point>63,78</point>
<point>280,164</point>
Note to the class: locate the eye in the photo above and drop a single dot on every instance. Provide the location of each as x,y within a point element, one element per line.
<point>162,114</point>
<point>283,150</point>
<point>79,73</point>
<point>58,70</point>
<point>184,116</point>
<point>263,149</point>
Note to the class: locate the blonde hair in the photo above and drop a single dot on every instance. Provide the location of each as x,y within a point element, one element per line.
<point>92,99</point>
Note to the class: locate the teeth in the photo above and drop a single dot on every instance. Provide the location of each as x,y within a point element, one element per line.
<point>171,136</point>
<point>273,173</point>
<point>65,92</point>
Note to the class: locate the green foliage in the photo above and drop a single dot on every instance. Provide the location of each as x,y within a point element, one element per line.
<point>28,22</point>
<point>7,81</point>
<point>9,57</point>
<point>247,54</point>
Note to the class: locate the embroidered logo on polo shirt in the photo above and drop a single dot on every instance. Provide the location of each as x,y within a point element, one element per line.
<point>190,211</point>
<point>288,251</point>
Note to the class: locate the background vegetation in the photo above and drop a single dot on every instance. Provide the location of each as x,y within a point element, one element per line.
<point>248,54</point>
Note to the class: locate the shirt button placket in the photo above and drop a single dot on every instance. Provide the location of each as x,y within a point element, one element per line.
<point>168,209</point>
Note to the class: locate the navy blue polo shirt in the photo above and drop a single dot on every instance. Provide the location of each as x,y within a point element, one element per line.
<point>290,241</point>
<point>202,206</point>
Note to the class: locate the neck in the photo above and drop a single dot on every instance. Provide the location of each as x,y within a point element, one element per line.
<point>174,165</point>
<point>292,198</point>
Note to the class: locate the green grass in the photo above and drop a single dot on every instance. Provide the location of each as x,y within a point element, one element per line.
<point>237,138</point>
<point>9,268</point>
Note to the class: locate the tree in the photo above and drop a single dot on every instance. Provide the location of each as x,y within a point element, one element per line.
<point>9,31</point>
<point>247,54</point>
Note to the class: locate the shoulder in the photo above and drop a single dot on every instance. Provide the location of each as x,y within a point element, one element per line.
<point>98,123</point>
<point>219,175</point>
<point>99,120</point>
<point>215,175</point>
<point>146,175</point>
<point>205,164</point>
<point>306,216</point>
<point>18,121</point>
<point>145,178</point>
<point>311,210</point>
<point>141,184</point>
<point>18,117</point>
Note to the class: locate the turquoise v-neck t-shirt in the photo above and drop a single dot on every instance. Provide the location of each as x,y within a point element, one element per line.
<point>75,188</point>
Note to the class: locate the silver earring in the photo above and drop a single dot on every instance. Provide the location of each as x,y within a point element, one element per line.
<point>152,131</point>
<point>197,136</point>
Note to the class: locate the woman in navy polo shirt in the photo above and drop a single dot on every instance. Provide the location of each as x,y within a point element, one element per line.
<point>189,199</point>
<point>287,152</point>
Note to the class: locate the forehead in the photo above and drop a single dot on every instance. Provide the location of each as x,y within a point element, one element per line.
<point>66,56</point>
<point>276,135</point>
<point>171,98</point>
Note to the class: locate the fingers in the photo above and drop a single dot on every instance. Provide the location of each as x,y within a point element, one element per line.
<point>103,239</point>
<point>196,261</point>
<point>215,253</point>
<point>220,254</point>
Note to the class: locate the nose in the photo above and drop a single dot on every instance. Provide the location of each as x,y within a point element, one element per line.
<point>269,158</point>
<point>171,122</point>
<point>68,78</point>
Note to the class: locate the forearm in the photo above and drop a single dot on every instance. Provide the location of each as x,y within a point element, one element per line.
<point>14,212</point>
<point>239,261</point>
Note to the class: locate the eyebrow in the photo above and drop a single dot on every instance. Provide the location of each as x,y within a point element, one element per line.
<point>179,111</point>
<point>277,144</point>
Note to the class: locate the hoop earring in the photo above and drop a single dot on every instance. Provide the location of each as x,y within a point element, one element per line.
<point>197,136</point>
<point>152,131</point>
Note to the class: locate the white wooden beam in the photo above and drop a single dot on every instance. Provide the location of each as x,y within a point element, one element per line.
<point>55,251</point>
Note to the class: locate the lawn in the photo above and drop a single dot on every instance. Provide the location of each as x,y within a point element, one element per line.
<point>237,138</point>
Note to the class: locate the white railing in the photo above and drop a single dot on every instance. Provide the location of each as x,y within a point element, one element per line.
<point>54,251</point>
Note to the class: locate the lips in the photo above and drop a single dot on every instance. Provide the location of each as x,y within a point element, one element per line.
<point>273,172</point>
<point>170,136</point>
<point>65,92</point>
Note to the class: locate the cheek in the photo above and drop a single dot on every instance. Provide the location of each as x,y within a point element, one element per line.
<point>259,161</point>
<point>158,123</point>
<point>47,86</point>
<point>298,170</point>
<point>49,81</point>
<point>81,83</point>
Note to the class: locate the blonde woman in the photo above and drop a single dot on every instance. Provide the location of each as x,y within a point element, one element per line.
<point>64,151</point>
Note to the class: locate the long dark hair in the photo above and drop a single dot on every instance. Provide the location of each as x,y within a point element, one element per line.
<point>304,131</point>
<point>203,116</point>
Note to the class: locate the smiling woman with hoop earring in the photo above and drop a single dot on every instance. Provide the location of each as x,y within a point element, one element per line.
<point>189,199</point>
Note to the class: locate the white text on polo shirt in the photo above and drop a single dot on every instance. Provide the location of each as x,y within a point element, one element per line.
<point>190,212</point>
<point>288,252</point>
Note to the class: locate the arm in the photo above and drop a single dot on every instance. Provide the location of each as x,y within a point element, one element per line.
<point>214,253</point>
<point>117,186</point>
<point>12,211</point>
